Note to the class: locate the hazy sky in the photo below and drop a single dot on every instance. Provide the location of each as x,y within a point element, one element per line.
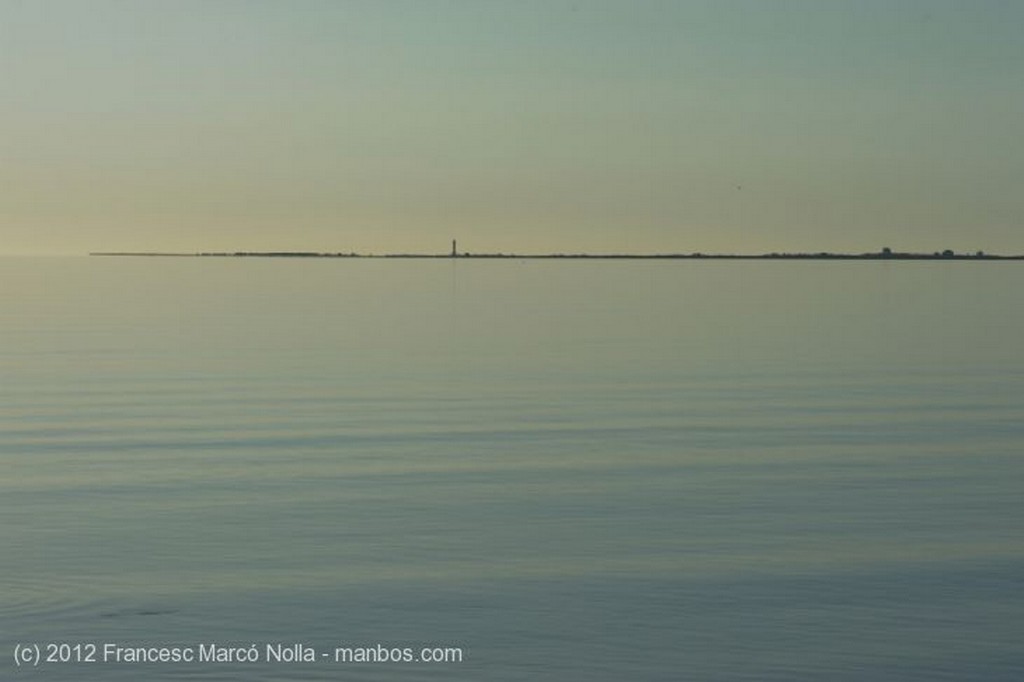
<point>512,125</point>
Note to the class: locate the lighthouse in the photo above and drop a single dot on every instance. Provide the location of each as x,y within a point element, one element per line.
<point>454,252</point>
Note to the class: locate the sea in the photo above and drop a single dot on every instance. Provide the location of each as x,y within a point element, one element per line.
<point>283,469</point>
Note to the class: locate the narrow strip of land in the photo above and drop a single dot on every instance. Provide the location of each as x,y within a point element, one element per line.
<point>882,255</point>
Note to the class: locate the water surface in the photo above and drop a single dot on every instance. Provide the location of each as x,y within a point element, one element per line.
<point>585,470</point>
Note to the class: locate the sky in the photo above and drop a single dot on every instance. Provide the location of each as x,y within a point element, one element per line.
<point>514,126</point>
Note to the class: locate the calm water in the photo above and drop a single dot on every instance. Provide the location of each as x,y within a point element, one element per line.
<point>571,470</point>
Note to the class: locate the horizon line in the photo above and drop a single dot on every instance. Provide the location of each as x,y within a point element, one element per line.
<point>885,254</point>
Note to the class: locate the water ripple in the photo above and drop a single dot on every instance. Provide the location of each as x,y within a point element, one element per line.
<point>48,598</point>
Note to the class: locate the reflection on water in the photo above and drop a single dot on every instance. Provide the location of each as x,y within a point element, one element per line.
<point>572,470</point>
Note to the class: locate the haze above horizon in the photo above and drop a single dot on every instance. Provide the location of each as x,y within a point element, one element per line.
<point>543,127</point>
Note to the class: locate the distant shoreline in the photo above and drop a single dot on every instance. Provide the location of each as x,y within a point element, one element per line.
<point>888,256</point>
